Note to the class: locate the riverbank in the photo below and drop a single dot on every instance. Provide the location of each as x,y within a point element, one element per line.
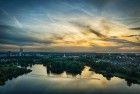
<point>9,71</point>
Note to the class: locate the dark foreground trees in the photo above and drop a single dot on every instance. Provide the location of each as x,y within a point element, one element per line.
<point>9,71</point>
<point>129,72</point>
<point>127,67</point>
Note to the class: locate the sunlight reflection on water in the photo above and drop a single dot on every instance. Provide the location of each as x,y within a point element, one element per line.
<point>38,81</point>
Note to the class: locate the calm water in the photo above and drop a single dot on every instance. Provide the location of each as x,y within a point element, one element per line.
<point>38,82</point>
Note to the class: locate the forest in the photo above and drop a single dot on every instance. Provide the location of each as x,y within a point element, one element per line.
<point>73,65</point>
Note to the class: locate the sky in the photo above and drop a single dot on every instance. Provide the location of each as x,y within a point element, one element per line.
<point>70,25</point>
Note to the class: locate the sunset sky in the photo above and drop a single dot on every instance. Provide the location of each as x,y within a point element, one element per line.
<point>70,25</point>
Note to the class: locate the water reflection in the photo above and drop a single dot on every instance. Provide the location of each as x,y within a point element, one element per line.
<point>91,76</point>
<point>39,81</point>
<point>86,73</point>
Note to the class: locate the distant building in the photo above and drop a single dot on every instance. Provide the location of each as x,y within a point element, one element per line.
<point>9,53</point>
<point>21,52</point>
<point>64,55</point>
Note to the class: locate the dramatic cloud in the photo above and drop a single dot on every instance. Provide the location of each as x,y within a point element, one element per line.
<point>136,28</point>
<point>89,29</point>
<point>70,25</point>
<point>18,36</point>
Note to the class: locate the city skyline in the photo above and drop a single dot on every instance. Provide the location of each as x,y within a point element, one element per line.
<point>70,25</point>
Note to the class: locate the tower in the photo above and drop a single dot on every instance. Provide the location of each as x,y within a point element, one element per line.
<point>64,55</point>
<point>20,51</point>
<point>9,53</point>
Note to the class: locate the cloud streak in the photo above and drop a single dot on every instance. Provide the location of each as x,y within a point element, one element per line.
<point>12,18</point>
<point>111,25</point>
<point>87,28</point>
<point>8,36</point>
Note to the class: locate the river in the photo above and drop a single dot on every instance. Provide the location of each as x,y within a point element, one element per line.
<point>89,82</point>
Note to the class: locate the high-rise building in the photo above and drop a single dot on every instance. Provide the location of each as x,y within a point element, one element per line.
<point>64,55</point>
<point>9,53</point>
<point>21,52</point>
